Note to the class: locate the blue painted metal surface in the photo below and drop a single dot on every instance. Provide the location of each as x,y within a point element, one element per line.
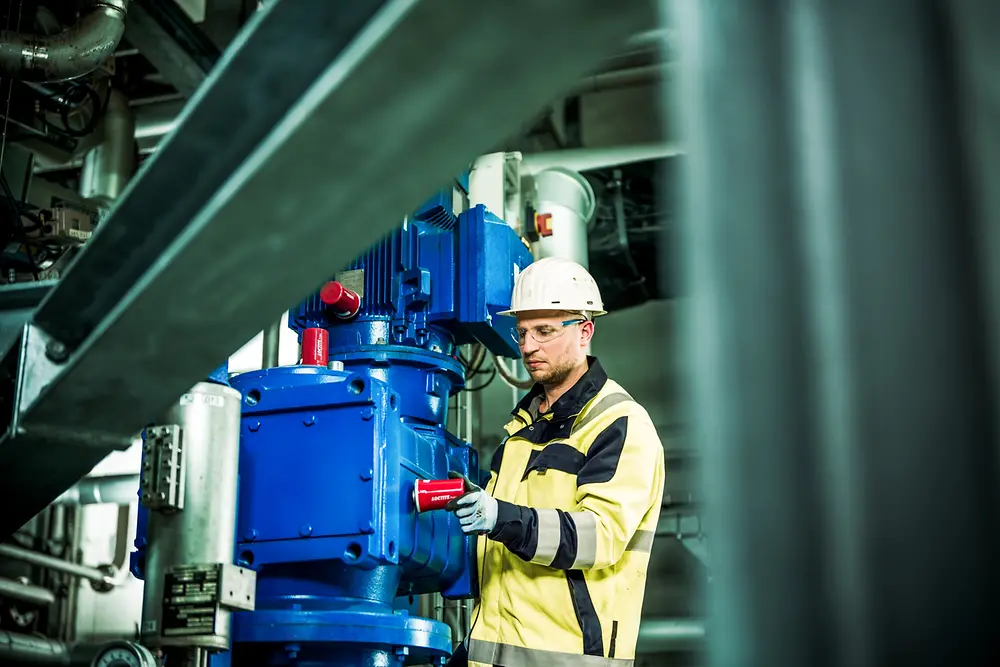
<point>328,458</point>
<point>431,287</point>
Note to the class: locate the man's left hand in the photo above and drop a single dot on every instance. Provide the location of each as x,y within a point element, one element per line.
<point>476,510</point>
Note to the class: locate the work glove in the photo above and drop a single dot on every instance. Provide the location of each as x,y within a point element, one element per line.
<point>476,510</point>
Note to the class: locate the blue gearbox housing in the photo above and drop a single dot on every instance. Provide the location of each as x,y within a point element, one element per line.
<point>329,455</point>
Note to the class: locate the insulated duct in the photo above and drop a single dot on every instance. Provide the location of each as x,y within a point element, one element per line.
<point>112,489</point>
<point>108,167</point>
<point>69,54</point>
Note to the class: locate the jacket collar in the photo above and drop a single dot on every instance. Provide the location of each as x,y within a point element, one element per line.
<point>573,401</point>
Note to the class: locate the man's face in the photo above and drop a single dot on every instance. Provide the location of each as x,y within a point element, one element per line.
<point>553,343</point>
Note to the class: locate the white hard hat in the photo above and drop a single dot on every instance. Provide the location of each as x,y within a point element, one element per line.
<point>554,283</point>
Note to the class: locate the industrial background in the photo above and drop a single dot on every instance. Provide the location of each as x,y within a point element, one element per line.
<point>302,212</point>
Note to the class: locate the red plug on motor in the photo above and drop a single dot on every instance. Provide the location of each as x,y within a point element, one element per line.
<point>434,494</point>
<point>344,303</point>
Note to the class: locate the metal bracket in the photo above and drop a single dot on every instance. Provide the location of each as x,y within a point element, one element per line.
<point>238,588</point>
<point>162,478</point>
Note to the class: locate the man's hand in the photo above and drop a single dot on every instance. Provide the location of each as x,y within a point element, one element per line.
<point>476,510</point>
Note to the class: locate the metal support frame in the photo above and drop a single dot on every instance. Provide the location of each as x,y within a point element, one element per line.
<point>170,40</point>
<point>149,308</point>
<point>841,375</point>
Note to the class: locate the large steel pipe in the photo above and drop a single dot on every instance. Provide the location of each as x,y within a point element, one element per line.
<point>93,574</point>
<point>34,595</point>
<point>72,53</point>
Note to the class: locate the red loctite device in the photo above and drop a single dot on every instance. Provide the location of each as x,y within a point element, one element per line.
<point>315,347</point>
<point>434,494</point>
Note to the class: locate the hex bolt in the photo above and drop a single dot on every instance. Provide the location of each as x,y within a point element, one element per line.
<point>250,535</point>
<point>56,351</point>
<point>254,426</point>
<point>305,530</point>
<point>366,475</point>
<point>367,413</point>
<point>366,527</point>
<point>309,421</point>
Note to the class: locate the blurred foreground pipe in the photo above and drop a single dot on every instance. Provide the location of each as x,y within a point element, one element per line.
<point>835,332</point>
<point>36,595</point>
<point>668,635</point>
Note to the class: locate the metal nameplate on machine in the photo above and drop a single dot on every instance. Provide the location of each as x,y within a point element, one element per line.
<point>194,596</point>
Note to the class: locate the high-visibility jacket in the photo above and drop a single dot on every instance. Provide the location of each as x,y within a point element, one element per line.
<point>579,489</point>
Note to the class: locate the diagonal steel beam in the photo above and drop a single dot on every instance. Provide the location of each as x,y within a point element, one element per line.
<point>420,91</point>
<point>175,46</point>
<point>252,87</point>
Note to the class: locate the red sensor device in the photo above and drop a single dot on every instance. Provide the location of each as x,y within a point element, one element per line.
<point>434,494</point>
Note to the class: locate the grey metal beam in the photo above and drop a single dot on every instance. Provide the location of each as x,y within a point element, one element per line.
<point>421,90</point>
<point>172,43</point>
<point>840,372</point>
<point>254,85</point>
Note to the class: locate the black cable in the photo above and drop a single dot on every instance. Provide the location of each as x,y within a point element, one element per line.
<point>493,376</point>
<point>15,209</point>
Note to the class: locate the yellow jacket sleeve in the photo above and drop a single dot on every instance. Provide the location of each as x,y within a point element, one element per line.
<point>619,482</point>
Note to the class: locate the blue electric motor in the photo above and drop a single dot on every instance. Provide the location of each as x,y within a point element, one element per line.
<point>329,455</point>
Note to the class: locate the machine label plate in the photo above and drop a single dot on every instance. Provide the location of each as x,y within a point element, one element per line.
<point>353,280</point>
<point>190,601</point>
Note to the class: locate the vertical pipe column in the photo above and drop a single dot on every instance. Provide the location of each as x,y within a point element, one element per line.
<point>203,531</point>
<point>108,167</point>
<point>270,345</point>
<point>835,327</point>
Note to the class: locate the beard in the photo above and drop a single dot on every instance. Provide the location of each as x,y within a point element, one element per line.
<point>551,374</point>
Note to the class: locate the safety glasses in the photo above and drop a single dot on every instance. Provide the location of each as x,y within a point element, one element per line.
<point>543,333</point>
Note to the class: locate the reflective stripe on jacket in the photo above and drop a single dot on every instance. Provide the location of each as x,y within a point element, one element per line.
<point>564,571</point>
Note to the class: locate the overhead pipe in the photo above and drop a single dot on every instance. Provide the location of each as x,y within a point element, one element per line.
<point>35,595</point>
<point>111,490</point>
<point>629,77</point>
<point>69,54</point>
<point>587,159</point>
<point>100,578</point>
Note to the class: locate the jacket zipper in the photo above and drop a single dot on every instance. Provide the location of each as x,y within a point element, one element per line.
<point>614,636</point>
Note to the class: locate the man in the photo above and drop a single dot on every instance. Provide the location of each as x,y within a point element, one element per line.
<point>568,516</point>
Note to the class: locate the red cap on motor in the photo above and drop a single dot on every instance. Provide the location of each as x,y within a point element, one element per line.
<point>315,346</point>
<point>344,303</point>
